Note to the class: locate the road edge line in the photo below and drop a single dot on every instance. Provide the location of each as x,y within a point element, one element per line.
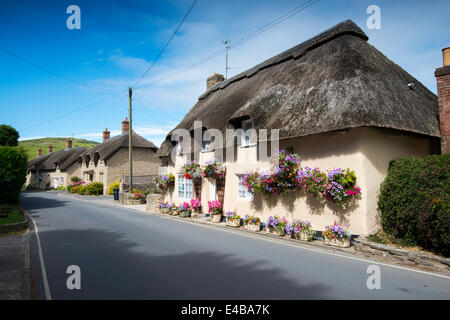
<point>48,295</point>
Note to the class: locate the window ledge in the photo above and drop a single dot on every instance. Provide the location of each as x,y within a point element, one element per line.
<point>248,145</point>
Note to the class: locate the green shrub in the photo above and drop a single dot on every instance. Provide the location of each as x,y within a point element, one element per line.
<point>83,189</point>
<point>13,171</point>
<point>69,187</point>
<point>414,202</point>
<point>76,189</point>
<point>112,186</point>
<point>75,179</point>
<point>94,188</point>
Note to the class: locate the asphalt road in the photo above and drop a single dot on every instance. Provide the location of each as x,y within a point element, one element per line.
<point>125,254</point>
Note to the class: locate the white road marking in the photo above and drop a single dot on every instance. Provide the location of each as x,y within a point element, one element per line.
<point>41,258</point>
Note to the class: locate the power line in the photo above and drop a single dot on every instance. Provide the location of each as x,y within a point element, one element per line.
<point>52,72</point>
<point>242,40</point>
<point>167,43</point>
<point>71,112</point>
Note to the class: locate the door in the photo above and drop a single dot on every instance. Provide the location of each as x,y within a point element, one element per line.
<point>212,189</point>
<point>55,182</point>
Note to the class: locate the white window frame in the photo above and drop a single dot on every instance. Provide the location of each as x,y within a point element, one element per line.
<point>243,193</point>
<point>61,180</point>
<point>206,145</point>
<point>246,139</point>
<point>185,188</point>
<point>179,151</point>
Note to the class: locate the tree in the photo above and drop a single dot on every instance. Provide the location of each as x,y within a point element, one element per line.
<point>13,171</point>
<point>8,136</point>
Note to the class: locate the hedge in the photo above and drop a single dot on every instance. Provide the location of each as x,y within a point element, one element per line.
<point>414,202</point>
<point>112,186</point>
<point>13,171</point>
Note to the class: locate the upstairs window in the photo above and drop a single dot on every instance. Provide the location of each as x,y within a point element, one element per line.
<point>245,138</point>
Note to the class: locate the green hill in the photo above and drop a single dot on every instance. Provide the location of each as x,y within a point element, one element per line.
<point>58,143</point>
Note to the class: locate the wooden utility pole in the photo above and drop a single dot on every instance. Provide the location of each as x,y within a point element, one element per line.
<point>130,142</point>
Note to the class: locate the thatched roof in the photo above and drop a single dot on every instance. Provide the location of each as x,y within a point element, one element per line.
<point>61,158</point>
<point>335,80</point>
<point>108,148</point>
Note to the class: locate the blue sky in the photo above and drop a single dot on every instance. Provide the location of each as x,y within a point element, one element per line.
<point>118,40</point>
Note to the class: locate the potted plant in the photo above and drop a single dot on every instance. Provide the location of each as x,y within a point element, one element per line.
<point>276,225</point>
<point>162,207</point>
<point>184,210</point>
<point>215,210</point>
<point>233,220</point>
<point>163,183</point>
<point>252,223</point>
<point>196,207</point>
<point>300,230</point>
<point>336,235</point>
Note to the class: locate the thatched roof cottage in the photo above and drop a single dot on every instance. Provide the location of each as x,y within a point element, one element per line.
<point>338,102</point>
<point>55,168</point>
<point>106,161</point>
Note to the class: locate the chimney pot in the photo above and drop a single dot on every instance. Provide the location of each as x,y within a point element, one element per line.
<point>446,56</point>
<point>125,126</point>
<point>68,143</point>
<point>106,134</point>
<point>50,148</point>
<point>39,152</point>
<point>214,79</point>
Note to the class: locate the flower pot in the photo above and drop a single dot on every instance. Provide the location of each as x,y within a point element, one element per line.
<point>216,218</point>
<point>194,215</point>
<point>143,201</point>
<point>305,236</point>
<point>280,232</point>
<point>234,222</point>
<point>254,227</point>
<point>165,210</point>
<point>270,229</point>
<point>338,242</point>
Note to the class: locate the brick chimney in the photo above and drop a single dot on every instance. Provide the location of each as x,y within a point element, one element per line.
<point>50,148</point>
<point>106,133</point>
<point>214,79</point>
<point>68,143</point>
<point>39,152</point>
<point>125,126</point>
<point>443,89</point>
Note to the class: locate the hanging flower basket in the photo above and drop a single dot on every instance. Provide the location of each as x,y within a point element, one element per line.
<point>192,171</point>
<point>163,183</point>
<point>213,169</point>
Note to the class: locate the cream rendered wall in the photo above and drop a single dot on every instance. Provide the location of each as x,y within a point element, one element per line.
<point>379,147</point>
<point>367,151</point>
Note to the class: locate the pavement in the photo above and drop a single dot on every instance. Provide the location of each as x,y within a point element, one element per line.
<point>127,254</point>
<point>15,266</point>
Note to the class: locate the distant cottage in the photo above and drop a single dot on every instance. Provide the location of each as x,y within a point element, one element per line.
<point>55,168</point>
<point>338,102</point>
<point>106,161</point>
<point>103,163</point>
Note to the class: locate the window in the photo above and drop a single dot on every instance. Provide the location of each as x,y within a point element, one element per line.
<point>162,170</point>
<point>246,125</point>
<point>178,149</point>
<point>206,145</point>
<point>100,177</point>
<point>243,192</point>
<point>62,180</point>
<point>184,188</point>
